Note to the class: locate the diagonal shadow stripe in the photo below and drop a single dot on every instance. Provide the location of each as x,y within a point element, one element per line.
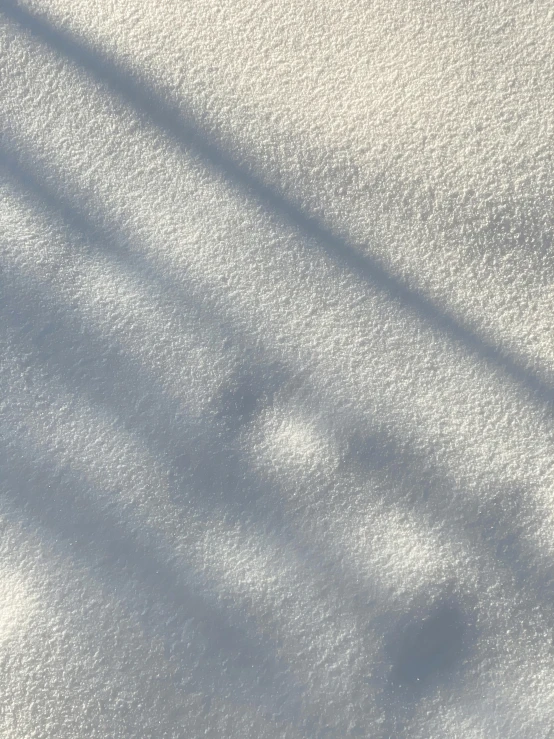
<point>79,222</point>
<point>185,131</point>
<point>27,175</point>
<point>172,595</point>
<point>379,451</point>
<point>416,481</point>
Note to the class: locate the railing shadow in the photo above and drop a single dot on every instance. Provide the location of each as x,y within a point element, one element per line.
<point>425,653</point>
<point>220,483</point>
<point>225,486</point>
<point>122,383</point>
<point>223,653</point>
<point>156,111</point>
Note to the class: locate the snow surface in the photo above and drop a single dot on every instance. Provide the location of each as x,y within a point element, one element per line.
<point>277,369</point>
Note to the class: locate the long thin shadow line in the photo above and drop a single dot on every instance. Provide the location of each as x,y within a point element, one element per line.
<point>160,431</point>
<point>189,137</point>
<point>378,451</point>
<point>112,245</point>
<point>82,224</point>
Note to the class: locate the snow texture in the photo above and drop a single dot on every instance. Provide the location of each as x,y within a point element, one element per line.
<point>276,369</point>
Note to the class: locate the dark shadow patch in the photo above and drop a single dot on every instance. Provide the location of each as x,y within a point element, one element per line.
<point>245,396</point>
<point>374,453</point>
<point>385,455</point>
<point>428,651</point>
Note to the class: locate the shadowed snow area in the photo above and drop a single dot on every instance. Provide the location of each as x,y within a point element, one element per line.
<point>276,369</point>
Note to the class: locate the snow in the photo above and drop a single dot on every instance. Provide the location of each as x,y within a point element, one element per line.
<point>276,369</point>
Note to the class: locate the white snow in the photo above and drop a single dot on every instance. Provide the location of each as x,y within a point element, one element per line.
<point>276,369</point>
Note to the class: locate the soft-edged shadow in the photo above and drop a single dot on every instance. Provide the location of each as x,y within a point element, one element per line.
<point>222,653</point>
<point>498,524</point>
<point>123,385</point>
<point>155,110</point>
<point>223,481</point>
<point>202,456</point>
<point>425,651</point>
